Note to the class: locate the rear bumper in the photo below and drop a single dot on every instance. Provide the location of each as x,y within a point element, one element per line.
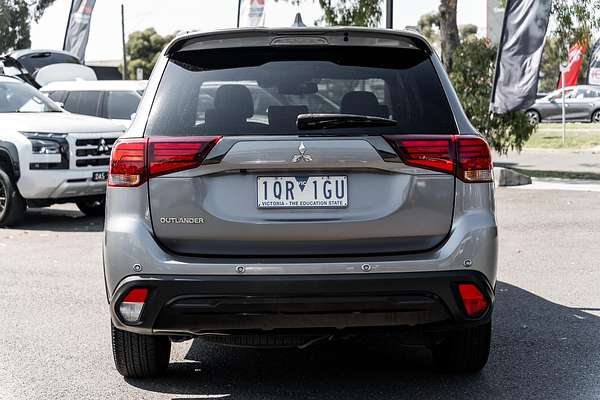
<point>192,305</point>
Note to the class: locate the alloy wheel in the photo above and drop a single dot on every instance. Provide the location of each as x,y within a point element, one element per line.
<point>3,197</point>
<point>596,117</point>
<point>534,117</point>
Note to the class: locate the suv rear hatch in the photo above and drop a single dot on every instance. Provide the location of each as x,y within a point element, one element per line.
<point>231,173</point>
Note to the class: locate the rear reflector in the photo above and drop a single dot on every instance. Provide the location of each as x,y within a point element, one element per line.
<point>473,300</point>
<point>132,305</point>
<point>467,157</point>
<point>133,161</point>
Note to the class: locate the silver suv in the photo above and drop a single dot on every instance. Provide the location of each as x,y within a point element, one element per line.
<point>286,228</point>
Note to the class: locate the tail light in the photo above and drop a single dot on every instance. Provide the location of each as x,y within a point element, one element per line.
<point>136,160</point>
<point>474,302</point>
<point>132,305</point>
<point>469,158</point>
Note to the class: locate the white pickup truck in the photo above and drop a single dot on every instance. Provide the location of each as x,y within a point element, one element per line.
<point>48,155</point>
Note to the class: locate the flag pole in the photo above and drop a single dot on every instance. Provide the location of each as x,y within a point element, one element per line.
<point>564,119</point>
<point>68,23</point>
<point>238,12</point>
<point>124,44</point>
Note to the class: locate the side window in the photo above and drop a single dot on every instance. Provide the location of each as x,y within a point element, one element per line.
<point>120,105</point>
<point>57,95</point>
<point>591,94</point>
<point>83,102</point>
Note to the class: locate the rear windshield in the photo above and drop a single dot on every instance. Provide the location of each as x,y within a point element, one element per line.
<point>263,90</point>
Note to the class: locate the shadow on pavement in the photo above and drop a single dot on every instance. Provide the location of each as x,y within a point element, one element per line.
<point>540,350</point>
<point>59,220</point>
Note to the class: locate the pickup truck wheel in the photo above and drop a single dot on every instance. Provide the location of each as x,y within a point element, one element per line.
<point>140,356</point>
<point>12,205</point>
<point>92,208</point>
<point>463,350</point>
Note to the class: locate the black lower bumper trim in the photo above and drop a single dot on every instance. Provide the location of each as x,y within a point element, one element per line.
<point>192,305</point>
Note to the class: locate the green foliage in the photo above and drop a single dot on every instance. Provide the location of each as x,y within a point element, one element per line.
<point>143,49</point>
<point>39,7</point>
<point>15,22</point>
<point>575,21</point>
<point>550,66</point>
<point>14,25</point>
<point>429,26</point>
<point>472,77</point>
<point>352,12</point>
<point>467,31</point>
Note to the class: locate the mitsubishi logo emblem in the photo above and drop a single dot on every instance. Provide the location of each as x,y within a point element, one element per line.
<point>301,154</point>
<point>102,147</point>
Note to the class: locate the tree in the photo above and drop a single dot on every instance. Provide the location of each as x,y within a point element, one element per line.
<point>352,12</point>
<point>467,32</point>
<point>448,31</point>
<point>14,25</point>
<point>143,49</point>
<point>549,68</point>
<point>429,26</point>
<point>472,76</point>
<point>15,22</point>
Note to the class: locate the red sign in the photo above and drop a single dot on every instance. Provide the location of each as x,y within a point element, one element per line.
<point>576,54</point>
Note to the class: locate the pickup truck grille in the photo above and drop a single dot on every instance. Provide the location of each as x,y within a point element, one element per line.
<point>93,152</point>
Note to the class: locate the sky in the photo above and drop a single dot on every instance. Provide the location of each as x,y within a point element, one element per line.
<point>181,15</point>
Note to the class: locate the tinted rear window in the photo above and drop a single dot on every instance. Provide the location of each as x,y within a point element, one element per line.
<point>263,90</point>
<point>34,62</point>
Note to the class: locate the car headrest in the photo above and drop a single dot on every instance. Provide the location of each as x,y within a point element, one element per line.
<point>363,103</point>
<point>234,101</point>
<point>284,117</point>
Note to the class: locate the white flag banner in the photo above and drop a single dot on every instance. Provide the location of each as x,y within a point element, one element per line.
<point>252,13</point>
<point>594,71</point>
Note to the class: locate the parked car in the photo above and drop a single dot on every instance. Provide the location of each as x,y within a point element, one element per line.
<point>48,155</point>
<point>116,100</point>
<point>302,226</point>
<point>582,104</point>
<point>26,63</point>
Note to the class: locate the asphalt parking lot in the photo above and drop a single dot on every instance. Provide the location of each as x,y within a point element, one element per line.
<point>55,344</point>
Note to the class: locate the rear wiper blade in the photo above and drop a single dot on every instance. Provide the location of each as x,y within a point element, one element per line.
<point>332,121</point>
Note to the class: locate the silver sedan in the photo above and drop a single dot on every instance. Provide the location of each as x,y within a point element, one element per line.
<point>582,104</point>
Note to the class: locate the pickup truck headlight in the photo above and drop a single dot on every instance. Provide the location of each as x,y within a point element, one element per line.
<point>47,144</point>
<point>41,146</point>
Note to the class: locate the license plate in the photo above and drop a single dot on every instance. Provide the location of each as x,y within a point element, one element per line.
<point>99,176</point>
<point>302,191</point>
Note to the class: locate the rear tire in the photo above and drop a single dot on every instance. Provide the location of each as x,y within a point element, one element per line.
<point>12,205</point>
<point>596,117</point>
<point>92,208</point>
<point>463,350</point>
<point>140,356</point>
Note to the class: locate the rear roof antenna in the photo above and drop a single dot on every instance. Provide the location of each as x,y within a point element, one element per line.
<point>298,21</point>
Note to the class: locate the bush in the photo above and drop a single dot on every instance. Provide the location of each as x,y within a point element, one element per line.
<point>472,78</point>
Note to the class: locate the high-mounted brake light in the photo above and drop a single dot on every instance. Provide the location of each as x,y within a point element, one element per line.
<point>136,160</point>
<point>474,301</point>
<point>132,305</point>
<point>467,157</point>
